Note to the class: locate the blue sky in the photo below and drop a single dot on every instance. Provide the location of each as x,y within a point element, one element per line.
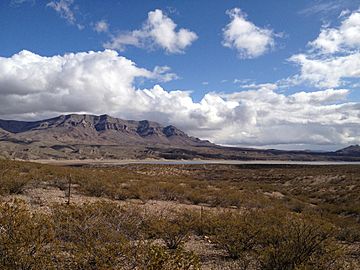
<point>236,63</point>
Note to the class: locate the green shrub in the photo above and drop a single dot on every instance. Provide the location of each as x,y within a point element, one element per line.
<point>237,233</point>
<point>292,241</point>
<point>349,233</point>
<point>90,238</point>
<point>277,240</point>
<point>154,257</point>
<point>172,228</point>
<point>26,239</point>
<point>12,182</point>
<point>106,236</point>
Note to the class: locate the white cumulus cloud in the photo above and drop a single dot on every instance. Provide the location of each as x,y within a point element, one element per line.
<point>329,71</point>
<point>333,57</point>
<point>158,31</point>
<point>34,86</point>
<point>345,37</point>
<point>248,39</point>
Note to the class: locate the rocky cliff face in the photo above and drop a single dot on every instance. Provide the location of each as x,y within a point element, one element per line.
<point>77,136</point>
<point>92,129</point>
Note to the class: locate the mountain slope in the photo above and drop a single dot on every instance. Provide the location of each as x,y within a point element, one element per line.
<point>89,136</point>
<point>102,130</point>
<point>352,150</point>
<point>104,137</point>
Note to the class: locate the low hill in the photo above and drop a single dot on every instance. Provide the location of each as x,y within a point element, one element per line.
<point>352,150</point>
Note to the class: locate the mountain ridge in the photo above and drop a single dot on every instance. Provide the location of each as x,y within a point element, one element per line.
<point>93,129</point>
<point>86,136</point>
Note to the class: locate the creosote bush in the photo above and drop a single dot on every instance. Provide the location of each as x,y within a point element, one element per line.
<point>276,240</point>
<point>156,257</point>
<point>173,229</point>
<point>12,182</point>
<point>237,233</point>
<point>92,236</point>
<point>89,236</point>
<point>316,213</point>
<point>27,240</point>
<point>105,235</point>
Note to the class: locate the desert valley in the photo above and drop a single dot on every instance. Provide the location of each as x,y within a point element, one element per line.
<point>179,135</point>
<point>87,210</point>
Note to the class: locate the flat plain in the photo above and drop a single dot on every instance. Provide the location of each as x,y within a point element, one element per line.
<point>179,216</point>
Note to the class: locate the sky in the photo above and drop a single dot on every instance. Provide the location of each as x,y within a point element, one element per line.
<point>268,74</point>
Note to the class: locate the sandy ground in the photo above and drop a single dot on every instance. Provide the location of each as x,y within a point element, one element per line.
<point>211,257</point>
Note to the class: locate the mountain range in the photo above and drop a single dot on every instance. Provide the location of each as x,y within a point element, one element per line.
<point>85,136</point>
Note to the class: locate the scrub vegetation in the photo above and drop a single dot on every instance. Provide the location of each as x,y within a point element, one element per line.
<point>179,217</point>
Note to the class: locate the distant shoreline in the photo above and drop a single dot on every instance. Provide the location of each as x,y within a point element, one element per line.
<point>188,162</point>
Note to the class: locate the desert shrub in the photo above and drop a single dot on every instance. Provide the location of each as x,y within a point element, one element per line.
<point>172,228</point>
<point>274,239</point>
<point>124,193</point>
<point>13,182</point>
<point>90,238</point>
<point>97,187</point>
<point>349,232</point>
<point>197,196</point>
<point>106,236</point>
<point>296,207</point>
<point>232,198</point>
<point>154,257</point>
<point>290,241</point>
<point>60,182</point>
<point>236,233</point>
<point>237,198</point>
<point>168,191</point>
<point>117,231</point>
<point>26,239</point>
<point>204,222</point>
